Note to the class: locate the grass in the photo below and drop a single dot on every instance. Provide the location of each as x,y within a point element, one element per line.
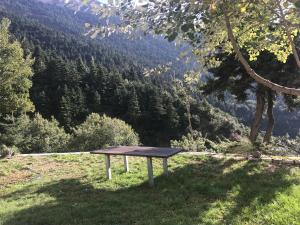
<point>72,190</point>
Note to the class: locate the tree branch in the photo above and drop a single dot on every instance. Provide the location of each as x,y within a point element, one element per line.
<point>275,87</point>
<point>288,33</point>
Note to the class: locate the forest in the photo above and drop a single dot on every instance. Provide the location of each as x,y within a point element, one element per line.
<point>149,112</point>
<point>75,76</point>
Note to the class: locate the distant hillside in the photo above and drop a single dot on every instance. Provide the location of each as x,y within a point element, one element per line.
<point>286,122</point>
<point>148,51</point>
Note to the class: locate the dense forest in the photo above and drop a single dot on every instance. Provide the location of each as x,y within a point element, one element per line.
<point>75,76</point>
<point>66,31</point>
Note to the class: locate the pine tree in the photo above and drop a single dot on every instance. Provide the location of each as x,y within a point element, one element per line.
<point>172,118</point>
<point>81,67</point>
<point>156,106</point>
<point>79,105</point>
<point>133,111</point>
<point>96,106</point>
<point>40,60</point>
<point>66,114</point>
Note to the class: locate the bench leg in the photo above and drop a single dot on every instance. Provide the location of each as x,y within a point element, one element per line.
<point>107,167</point>
<point>150,171</point>
<point>126,165</point>
<point>165,166</point>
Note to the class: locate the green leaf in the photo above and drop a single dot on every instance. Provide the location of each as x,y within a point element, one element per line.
<point>297,4</point>
<point>186,27</point>
<point>85,2</point>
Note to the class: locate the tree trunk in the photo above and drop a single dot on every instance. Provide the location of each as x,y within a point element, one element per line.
<point>188,110</point>
<point>267,83</point>
<point>260,107</point>
<point>271,119</point>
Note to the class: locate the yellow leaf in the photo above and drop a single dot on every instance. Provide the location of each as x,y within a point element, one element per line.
<point>243,9</point>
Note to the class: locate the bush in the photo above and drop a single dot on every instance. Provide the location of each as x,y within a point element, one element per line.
<point>36,135</point>
<point>283,145</point>
<point>7,151</point>
<point>194,142</point>
<point>102,131</point>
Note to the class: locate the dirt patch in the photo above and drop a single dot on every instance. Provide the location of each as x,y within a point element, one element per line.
<point>15,177</point>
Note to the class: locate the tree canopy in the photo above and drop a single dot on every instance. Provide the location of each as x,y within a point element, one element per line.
<point>75,76</point>
<point>15,73</point>
<point>214,26</point>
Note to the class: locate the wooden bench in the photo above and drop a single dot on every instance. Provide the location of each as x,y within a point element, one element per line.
<point>148,152</point>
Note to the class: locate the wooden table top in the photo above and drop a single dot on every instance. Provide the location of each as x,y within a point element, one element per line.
<point>140,151</point>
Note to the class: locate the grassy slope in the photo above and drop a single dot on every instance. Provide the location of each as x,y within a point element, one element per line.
<point>72,190</point>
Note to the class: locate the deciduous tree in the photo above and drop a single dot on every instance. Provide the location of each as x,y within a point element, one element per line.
<point>15,74</point>
<point>214,26</point>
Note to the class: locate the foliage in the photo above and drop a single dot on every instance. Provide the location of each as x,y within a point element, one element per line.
<point>63,31</point>
<point>283,145</point>
<point>214,27</point>
<point>76,76</point>
<point>35,135</point>
<point>156,111</point>
<point>7,151</point>
<point>102,131</point>
<point>257,24</point>
<point>287,120</point>
<point>15,73</point>
<point>231,79</point>
<point>194,142</point>
<point>199,190</point>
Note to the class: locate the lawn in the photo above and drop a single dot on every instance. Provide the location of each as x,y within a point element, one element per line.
<point>72,190</point>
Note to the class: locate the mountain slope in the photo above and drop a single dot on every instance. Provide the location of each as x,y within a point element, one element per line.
<point>148,51</point>
<point>75,76</point>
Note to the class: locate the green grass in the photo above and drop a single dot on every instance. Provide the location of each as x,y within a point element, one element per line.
<point>72,190</point>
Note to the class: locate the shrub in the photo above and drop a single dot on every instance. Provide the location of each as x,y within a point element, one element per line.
<point>194,142</point>
<point>7,151</point>
<point>283,145</point>
<point>36,135</point>
<point>102,131</point>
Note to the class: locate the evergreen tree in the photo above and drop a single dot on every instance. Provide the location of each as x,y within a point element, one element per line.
<point>40,60</point>
<point>133,111</point>
<point>172,117</point>
<point>157,109</point>
<point>81,67</point>
<point>66,116</point>
<point>96,106</point>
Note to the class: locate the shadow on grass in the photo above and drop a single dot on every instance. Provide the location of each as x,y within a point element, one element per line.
<point>187,196</point>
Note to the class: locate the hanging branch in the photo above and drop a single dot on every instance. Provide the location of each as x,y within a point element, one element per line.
<point>273,86</point>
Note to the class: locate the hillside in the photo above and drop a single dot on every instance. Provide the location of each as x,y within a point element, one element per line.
<point>147,51</point>
<point>58,31</point>
<point>75,76</point>
<point>287,122</point>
